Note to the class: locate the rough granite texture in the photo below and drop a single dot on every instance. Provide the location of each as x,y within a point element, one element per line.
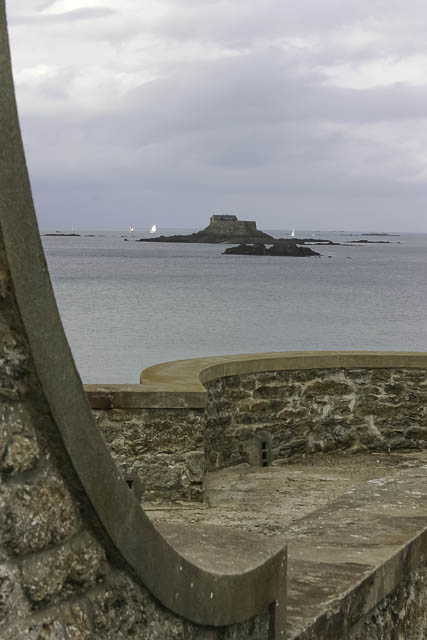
<point>165,452</point>
<point>56,582</point>
<point>312,411</point>
<point>161,450</point>
<point>400,616</point>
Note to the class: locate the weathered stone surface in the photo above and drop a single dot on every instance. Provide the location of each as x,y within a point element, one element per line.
<point>64,569</point>
<point>49,627</point>
<point>47,630</point>
<point>13,603</point>
<point>163,447</point>
<point>77,623</point>
<point>36,513</point>
<point>321,388</point>
<point>156,478</point>
<point>168,476</point>
<point>123,610</point>
<point>134,432</point>
<point>13,364</point>
<point>20,450</point>
<point>400,616</point>
<point>196,466</point>
<point>315,410</point>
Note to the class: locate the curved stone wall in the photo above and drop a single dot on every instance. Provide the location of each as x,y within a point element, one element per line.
<point>171,429</point>
<point>315,410</point>
<point>357,566</point>
<point>79,558</point>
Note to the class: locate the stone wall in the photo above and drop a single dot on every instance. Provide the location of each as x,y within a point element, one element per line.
<point>76,549</point>
<point>311,411</point>
<point>232,227</point>
<point>299,412</point>
<point>263,417</point>
<point>159,450</point>
<point>400,616</point>
<point>58,577</point>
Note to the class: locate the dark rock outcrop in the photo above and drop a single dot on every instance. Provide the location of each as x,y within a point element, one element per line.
<point>257,249</point>
<point>371,242</point>
<point>280,248</point>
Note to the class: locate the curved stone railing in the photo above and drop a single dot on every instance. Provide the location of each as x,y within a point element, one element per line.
<point>190,376</point>
<point>266,407</point>
<point>207,413</point>
<point>61,445</point>
<point>357,565</point>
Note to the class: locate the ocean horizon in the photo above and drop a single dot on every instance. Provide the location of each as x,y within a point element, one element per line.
<point>128,305</point>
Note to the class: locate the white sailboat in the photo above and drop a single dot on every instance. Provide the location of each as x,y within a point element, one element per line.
<point>293,233</point>
<point>131,229</point>
<point>153,228</point>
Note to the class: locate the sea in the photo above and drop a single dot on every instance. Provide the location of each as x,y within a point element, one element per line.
<point>126,305</point>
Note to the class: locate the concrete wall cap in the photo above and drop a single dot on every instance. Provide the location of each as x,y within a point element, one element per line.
<point>179,383</point>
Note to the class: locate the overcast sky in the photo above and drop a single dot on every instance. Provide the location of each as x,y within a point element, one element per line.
<point>308,114</point>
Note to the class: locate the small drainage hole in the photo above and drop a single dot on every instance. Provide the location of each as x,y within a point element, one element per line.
<point>129,484</point>
<point>264,454</point>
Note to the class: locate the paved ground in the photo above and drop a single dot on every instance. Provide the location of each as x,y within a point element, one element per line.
<point>350,523</point>
<point>268,500</point>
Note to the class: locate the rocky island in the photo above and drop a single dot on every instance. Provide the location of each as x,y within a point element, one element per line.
<point>282,247</point>
<point>59,234</point>
<point>221,229</point>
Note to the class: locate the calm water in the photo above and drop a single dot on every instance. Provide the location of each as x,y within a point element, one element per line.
<point>127,305</point>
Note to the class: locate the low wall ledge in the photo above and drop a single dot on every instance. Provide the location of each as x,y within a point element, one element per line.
<point>138,396</point>
<point>179,384</point>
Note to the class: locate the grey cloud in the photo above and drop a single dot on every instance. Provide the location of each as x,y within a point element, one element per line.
<point>76,15</point>
<point>225,95</point>
<point>254,133</point>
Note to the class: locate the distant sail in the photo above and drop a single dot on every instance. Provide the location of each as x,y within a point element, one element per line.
<point>153,228</point>
<point>293,233</point>
<point>131,229</point>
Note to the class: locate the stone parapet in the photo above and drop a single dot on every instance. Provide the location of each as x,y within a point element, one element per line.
<point>357,566</point>
<point>160,452</point>
<point>309,411</point>
<point>292,404</point>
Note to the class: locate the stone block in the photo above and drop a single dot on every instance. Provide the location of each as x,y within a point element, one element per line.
<point>297,445</point>
<point>123,610</point>
<point>268,392</point>
<point>327,388</point>
<point>77,623</point>
<point>13,362</point>
<point>22,454</point>
<point>46,628</point>
<point>21,451</point>
<point>158,478</point>
<point>63,570</point>
<point>13,603</point>
<point>417,432</point>
<point>396,388</point>
<point>195,461</point>
<point>240,394</point>
<point>36,513</point>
